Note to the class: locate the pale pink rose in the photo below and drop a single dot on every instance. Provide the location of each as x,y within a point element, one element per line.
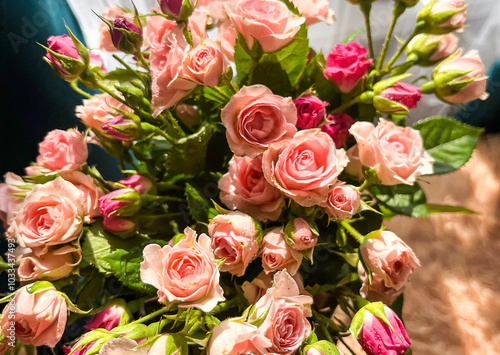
<point>303,167</point>
<point>138,182</point>
<point>255,117</point>
<point>53,265</point>
<point>234,239</point>
<point>96,62</point>
<point>447,45</point>
<point>303,236</point>
<point>169,82</point>
<point>34,170</point>
<point>254,290</point>
<point>473,70</point>
<point>205,64</point>
<point>443,6</point>
<point>51,214</point>
<point>354,167</point>
<point>186,273</point>
<point>213,8</point>
<point>343,201</point>
<point>376,291</point>
<point>244,188</point>
<point>396,153</point>
<point>198,22</point>
<point>235,336</point>
<point>315,11</point>
<point>40,318</point>
<point>277,254</point>
<point>89,193</point>
<point>99,109</point>
<point>8,202</point>
<point>108,318</point>
<point>156,29</point>
<point>62,150</point>
<point>112,13</point>
<point>433,48</point>
<point>269,22</point>
<point>4,347</point>
<point>226,35</point>
<point>390,258</point>
<point>123,346</point>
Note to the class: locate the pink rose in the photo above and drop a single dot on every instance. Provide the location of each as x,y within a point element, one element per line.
<point>39,317</point>
<point>346,65</point>
<point>399,97</point>
<point>226,35</point>
<point>185,273</point>
<point>53,265</point>
<point>310,111</point>
<point>315,11</point>
<point>244,188</point>
<point>178,9</point>
<point>277,254</point>
<point>354,167</point>
<point>255,117</point>
<point>396,153</point>
<point>89,193</point>
<point>303,236</point>
<point>213,8</point>
<point>96,62</point>
<point>121,127</point>
<point>254,290</point>
<point>447,45</point>
<point>343,201</point>
<point>156,29</point>
<point>450,75</point>
<point>234,239</point>
<point>198,22</point>
<point>189,115</point>
<point>51,214</point>
<point>139,183</point>
<point>125,346</point>
<point>98,110</point>
<point>169,82</point>
<point>376,290</point>
<point>109,318</point>
<point>205,64</point>
<point>8,202</point>
<point>68,69</point>
<point>376,337</point>
<point>338,129</point>
<point>62,150</point>
<point>439,15</point>
<point>304,166</point>
<point>269,22</point>
<point>123,227</point>
<point>235,336</point>
<point>390,258</point>
<point>112,13</point>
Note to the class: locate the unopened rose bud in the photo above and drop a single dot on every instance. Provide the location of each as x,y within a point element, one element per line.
<point>121,203</point>
<point>302,235</point>
<point>140,183</point>
<point>429,49</point>
<point>178,9</point>
<point>310,111</point>
<point>322,347</point>
<point>122,227</point>
<point>110,317</point>
<point>398,97</point>
<point>126,36</point>
<point>443,16</point>
<point>338,128</point>
<point>64,58</point>
<point>343,201</point>
<point>122,128</point>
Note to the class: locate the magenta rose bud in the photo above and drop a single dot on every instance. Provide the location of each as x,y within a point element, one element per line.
<point>178,9</point>
<point>122,202</point>
<point>377,338</point>
<point>64,58</point>
<point>137,182</point>
<point>399,97</point>
<point>346,65</point>
<point>122,128</point>
<point>310,111</point>
<point>126,36</point>
<point>109,318</point>
<point>338,128</point>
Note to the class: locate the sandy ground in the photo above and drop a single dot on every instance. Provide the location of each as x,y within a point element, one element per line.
<point>452,304</point>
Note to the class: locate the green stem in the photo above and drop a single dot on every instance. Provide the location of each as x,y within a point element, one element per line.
<point>127,66</point>
<point>111,93</point>
<point>346,105</point>
<point>416,31</point>
<point>226,305</point>
<point>74,86</point>
<point>397,11</point>
<point>149,316</point>
<point>142,60</point>
<point>174,124</point>
<point>220,92</point>
<point>164,134</point>
<point>347,346</point>
<point>86,169</point>
<point>234,88</point>
<point>352,231</point>
<point>364,185</point>
<point>366,7</point>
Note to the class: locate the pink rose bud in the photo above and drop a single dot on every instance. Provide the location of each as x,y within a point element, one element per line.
<point>346,65</point>
<point>235,336</point>
<point>62,151</point>
<point>338,128</point>
<point>343,201</point>
<point>109,318</point>
<point>122,202</point>
<point>443,16</point>
<point>178,9</point>
<point>302,235</point>
<point>376,290</point>
<point>126,36</point>
<point>426,49</point>
<point>122,227</point>
<point>460,79</point>
<point>398,97</point>
<point>64,57</point>
<point>390,258</point>
<point>140,183</point>
<point>278,255</point>
<point>310,111</point>
<point>39,315</point>
<point>122,128</point>
<point>377,338</point>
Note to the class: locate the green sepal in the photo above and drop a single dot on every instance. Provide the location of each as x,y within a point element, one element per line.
<point>387,83</point>
<point>82,50</point>
<point>375,308</point>
<point>71,306</point>
<point>324,347</point>
<point>39,286</point>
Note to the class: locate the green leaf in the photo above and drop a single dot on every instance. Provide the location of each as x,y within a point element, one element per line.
<point>293,57</point>
<point>198,205</point>
<point>351,37</point>
<point>176,344</point>
<point>434,208</point>
<point>269,72</point>
<point>324,347</point>
<point>357,322</point>
<point>401,199</point>
<point>243,59</point>
<point>448,141</point>
<point>152,148</point>
<point>118,78</point>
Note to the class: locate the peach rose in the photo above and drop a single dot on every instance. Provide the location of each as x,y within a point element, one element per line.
<point>303,167</point>
<point>112,13</point>
<point>39,316</point>
<point>303,236</point>
<point>277,254</point>
<point>376,291</point>
<point>205,64</point>
<point>258,287</point>
<point>226,35</point>
<point>235,336</point>
<point>89,193</point>
<point>396,153</point>
<point>51,214</point>
<point>198,22</point>
<point>96,111</point>
<point>315,11</point>
<point>244,188</point>
<point>8,202</point>
<point>156,29</point>
<point>234,239</point>
<point>185,273</point>
<point>343,201</point>
<point>213,8</point>
<point>269,22</point>
<point>62,150</point>
<point>169,82</point>
<point>53,265</point>
<point>390,258</point>
<point>255,117</point>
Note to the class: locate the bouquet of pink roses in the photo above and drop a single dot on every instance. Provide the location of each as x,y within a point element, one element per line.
<point>257,176</point>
